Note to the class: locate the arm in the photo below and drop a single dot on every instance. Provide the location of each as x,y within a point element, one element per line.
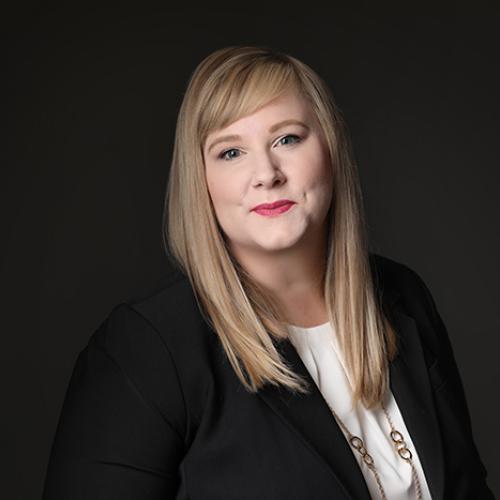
<point>114,440</point>
<point>466,470</point>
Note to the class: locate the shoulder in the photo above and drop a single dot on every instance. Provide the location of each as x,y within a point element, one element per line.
<point>399,283</point>
<point>167,308</point>
<point>394,275</point>
<point>406,292</point>
<point>160,341</point>
<point>165,316</point>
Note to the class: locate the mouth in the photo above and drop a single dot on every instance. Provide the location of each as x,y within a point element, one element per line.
<point>276,210</point>
<point>273,204</point>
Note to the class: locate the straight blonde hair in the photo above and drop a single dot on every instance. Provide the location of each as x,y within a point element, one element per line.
<point>229,84</point>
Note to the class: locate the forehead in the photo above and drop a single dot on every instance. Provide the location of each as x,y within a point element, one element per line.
<point>289,105</point>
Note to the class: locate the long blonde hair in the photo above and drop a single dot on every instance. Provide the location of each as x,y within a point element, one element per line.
<point>229,84</point>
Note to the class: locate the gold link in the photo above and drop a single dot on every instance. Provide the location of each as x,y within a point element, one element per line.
<point>399,444</point>
<point>356,442</point>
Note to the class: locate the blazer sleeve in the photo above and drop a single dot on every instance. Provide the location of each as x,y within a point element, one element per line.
<point>121,429</point>
<point>467,469</point>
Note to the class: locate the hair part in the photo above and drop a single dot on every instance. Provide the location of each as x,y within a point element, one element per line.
<point>229,84</point>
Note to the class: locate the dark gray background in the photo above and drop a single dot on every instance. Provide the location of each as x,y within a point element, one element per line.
<point>92,98</point>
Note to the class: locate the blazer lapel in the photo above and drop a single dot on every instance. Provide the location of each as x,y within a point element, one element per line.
<point>309,416</point>
<point>410,385</point>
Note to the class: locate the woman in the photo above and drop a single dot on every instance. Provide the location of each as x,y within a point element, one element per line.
<point>280,359</point>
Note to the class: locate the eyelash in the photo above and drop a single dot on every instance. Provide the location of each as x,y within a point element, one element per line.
<point>223,153</point>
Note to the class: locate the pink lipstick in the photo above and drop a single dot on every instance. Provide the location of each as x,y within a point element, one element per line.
<point>275,208</point>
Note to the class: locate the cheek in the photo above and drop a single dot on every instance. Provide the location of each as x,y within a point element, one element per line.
<point>224,189</point>
<point>319,177</point>
<point>215,185</point>
<point>318,189</point>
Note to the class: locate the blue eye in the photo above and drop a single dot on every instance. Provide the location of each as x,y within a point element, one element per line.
<point>291,135</point>
<point>223,154</point>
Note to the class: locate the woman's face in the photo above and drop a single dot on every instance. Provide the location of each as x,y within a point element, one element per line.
<point>267,160</point>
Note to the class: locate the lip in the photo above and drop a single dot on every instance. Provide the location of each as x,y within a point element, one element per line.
<point>273,205</point>
<point>278,209</point>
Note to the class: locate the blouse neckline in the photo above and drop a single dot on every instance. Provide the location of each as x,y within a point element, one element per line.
<point>310,329</point>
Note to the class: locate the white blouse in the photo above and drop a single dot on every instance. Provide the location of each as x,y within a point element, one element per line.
<point>320,352</point>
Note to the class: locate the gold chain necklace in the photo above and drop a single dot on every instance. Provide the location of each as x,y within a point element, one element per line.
<point>399,444</point>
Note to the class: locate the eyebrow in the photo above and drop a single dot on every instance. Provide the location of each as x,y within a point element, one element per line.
<point>273,128</point>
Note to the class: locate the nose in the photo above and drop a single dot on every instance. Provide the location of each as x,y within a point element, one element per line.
<point>267,170</point>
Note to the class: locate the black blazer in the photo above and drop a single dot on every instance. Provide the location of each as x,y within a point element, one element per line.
<point>154,411</point>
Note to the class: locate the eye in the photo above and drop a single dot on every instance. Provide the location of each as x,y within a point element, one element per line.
<point>296,137</point>
<point>223,156</point>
